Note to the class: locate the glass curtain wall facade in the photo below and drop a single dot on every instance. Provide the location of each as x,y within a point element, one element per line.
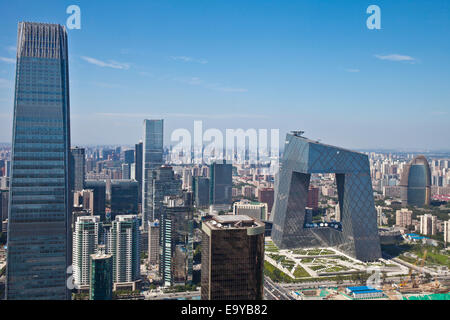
<point>77,168</point>
<point>221,184</point>
<point>152,159</point>
<point>39,230</point>
<point>359,234</point>
<point>415,183</point>
<point>232,258</point>
<point>176,243</point>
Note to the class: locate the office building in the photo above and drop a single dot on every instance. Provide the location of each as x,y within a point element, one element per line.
<point>163,183</point>
<point>152,159</point>
<point>266,195</point>
<point>125,249</point>
<point>138,157</point>
<point>84,199</point>
<point>428,225</point>
<point>201,192</point>
<point>77,168</point>
<point>187,179</point>
<point>176,242</point>
<point>126,171</point>
<point>101,281</point>
<point>39,234</point>
<point>99,189</point>
<point>358,234</point>
<point>255,210</point>
<point>248,192</point>
<point>403,218</point>
<point>7,167</point>
<point>128,156</point>
<point>85,241</point>
<point>4,203</point>
<point>124,197</point>
<point>153,243</point>
<point>232,258</point>
<point>415,183</point>
<point>447,231</point>
<point>220,180</point>
<point>313,198</point>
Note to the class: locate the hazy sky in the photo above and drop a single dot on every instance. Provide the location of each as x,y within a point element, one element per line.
<point>310,65</point>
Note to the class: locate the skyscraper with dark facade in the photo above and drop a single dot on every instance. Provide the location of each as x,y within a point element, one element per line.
<point>358,236</point>
<point>99,189</point>
<point>266,195</point>
<point>152,159</point>
<point>39,230</point>
<point>232,258</point>
<point>101,280</point>
<point>200,186</point>
<point>313,198</point>
<point>163,183</point>
<point>176,242</point>
<point>4,203</point>
<point>138,156</point>
<point>128,156</point>
<point>77,168</point>
<point>124,197</point>
<point>221,184</point>
<point>415,183</point>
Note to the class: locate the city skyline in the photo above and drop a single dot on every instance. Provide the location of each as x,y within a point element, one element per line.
<point>238,65</point>
<point>212,150</point>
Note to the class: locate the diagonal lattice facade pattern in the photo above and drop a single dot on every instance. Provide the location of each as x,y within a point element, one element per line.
<point>303,157</point>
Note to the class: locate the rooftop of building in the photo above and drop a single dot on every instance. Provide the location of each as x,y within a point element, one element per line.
<point>99,256</point>
<point>299,134</point>
<point>363,289</point>
<point>232,222</point>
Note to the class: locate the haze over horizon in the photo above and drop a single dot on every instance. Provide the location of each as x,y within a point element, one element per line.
<point>289,66</point>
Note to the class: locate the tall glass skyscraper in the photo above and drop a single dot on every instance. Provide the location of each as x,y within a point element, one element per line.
<point>77,168</point>
<point>138,166</point>
<point>39,235</point>
<point>152,159</point>
<point>220,179</point>
<point>415,183</point>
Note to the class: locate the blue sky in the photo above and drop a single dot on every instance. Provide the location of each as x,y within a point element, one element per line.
<point>310,65</point>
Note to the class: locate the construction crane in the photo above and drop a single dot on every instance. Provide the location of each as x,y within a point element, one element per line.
<point>410,277</point>
<point>414,282</point>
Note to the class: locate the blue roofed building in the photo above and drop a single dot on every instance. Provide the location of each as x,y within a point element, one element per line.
<point>364,292</point>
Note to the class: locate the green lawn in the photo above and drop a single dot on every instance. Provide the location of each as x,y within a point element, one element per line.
<point>315,268</point>
<point>326,252</point>
<point>314,252</point>
<point>337,268</point>
<point>300,272</point>
<point>301,252</point>
<point>275,274</point>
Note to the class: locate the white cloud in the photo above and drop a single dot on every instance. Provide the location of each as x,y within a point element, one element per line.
<point>189,59</point>
<point>352,70</point>
<point>109,64</point>
<point>396,57</point>
<point>8,60</point>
